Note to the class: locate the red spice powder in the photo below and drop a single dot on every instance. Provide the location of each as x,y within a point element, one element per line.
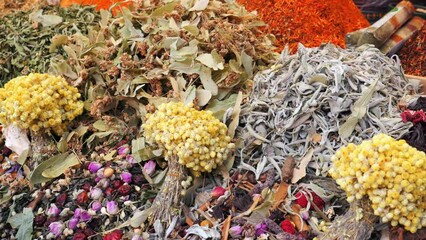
<point>413,54</point>
<point>310,22</point>
<point>100,4</point>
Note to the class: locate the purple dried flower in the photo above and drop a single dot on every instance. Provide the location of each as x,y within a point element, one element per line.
<point>53,210</point>
<point>85,216</point>
<point>126,177</point>
<point>137,237</point>
<point>77,213</point>
<point>112,207</point>
<point>96,206</point>
<point>72,224</point>
<point>56,228</point>
<point>260,229</point>
<point>95,193</point>
<point>97,179</point>
<point>130,159</point>
<point>305,215</point>
<point>149,167</point>
<point>235,231</point>
<point>94,167</point>
<point>123,150</point>
<point>100,173</point>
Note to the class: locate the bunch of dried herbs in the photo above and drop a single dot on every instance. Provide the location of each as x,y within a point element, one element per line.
<point>196,51</point>
<point>311,103</point>
<point>28,39</point>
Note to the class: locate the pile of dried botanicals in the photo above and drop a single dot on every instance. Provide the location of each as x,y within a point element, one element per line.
<point>416,114</point>
<point>413,54</point>
<point>313,102</point>
<point>177,49</point>
<point>28,39</point>
<point>310,22</point>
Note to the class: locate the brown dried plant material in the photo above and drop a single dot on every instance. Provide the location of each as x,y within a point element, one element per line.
<point>287,169</point>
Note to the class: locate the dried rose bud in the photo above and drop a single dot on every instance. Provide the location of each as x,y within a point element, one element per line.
<point>53,210</point>
<point>39,220</point>
<point>137,237</point>
<point>61,199</point>
<point>108,192</point>
<point>86,187</point>
<point>130,159</point>
<point>82,198</point>
<point>79,236</point>
<point>305,214</point>
<point>56,228</point>
<point>103,183</point>
<point>125,190</point>
<point>123,150</point>
<point>260,229</point>
<point>96,206</point>
<point>111,207</point>
<point>114,235</point>
<point>94,167</point>
<point>77,213</point>
<point>149,167</point>
<point>85,216</point>
<point>117,183</point>
<point>138,179</point>
<point>235,231</point>
<point>95,193</point>
<point>218,191</point>
<point>126,177</point>
<point>72,223</point>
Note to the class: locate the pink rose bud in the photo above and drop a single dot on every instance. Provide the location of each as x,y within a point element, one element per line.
<point>149,167</point>
<point>95,193</point>
<point>126,177</point>
<point>235,231</point>
<point>123,150</point>
<point>130,159</point>
<point>72,224</point>
<point>94,167</point>
<point>305,215</point>
<point>77,213</point>
<point>85,216</point>
<point>112,207</point>
<point>96,206</point>
<point>218,191</point>
<point>53,211</point>
<point>56,228</point>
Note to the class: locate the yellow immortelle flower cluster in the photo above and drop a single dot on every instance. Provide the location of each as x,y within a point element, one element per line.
<point>195,137</point>
<point>39,102</point>
<point>391,173</point>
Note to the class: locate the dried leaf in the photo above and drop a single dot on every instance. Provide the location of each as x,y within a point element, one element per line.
<point>358,111</point>
<point>207,81</point>
<point>235,115</point>
<point>189,95</point>
<point>200,5</point>
<point>219,107</point>
<point>139,217</point>
<point>203,97</point>
<point>45,20</point>
<point>212,60</point>
<point>300,171</point>
<point>288,168</point>
<point>37,175</point>
<point>57,168</point>
<point>101,125</point>
<point>280,194</point>
<point>23,221</point>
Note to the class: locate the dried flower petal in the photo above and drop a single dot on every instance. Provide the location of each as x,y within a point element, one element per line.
<point>96,193</point>
<point>53,210</point>
<point>94,167</point>
<point>112,207</point>
<point>56,228</point>
<point>149,167</point>
<point>123,150</point>
<point>235,231</point>
<point>72,223</point>
<point>96,206</point>
<point>218,191</point>
<point>126,177</point>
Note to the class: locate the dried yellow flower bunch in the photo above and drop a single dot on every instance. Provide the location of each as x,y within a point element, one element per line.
<point>39,102</point>
<point>197,138</point>
<point>391,173</point>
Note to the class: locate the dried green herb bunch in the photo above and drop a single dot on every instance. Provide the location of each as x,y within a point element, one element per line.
<point>165,47</point>
<point>197,138</point>
<point>391,173</point>
<point>39,102</point>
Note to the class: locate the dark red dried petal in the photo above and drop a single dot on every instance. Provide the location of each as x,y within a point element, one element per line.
<point>61,199</point>
<point>86,187</point>
<point>39,220</point>
<point>82,198</point>
<point>115,235</point>
<point>109,191</point>
<point>125,190</point>
<point>79,236</point>
<point>117,183</point>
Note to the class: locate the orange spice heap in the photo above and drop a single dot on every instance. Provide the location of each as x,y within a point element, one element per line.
<point>310,22</point>
<point>413,54</point>
<point>100,4</point>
